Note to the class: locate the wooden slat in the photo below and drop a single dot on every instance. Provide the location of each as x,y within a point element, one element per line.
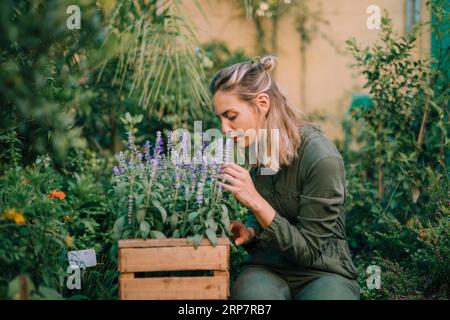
<point>170,242</point>
<point>174,288</point>
<point>226,275</point>
<point>173,258</point>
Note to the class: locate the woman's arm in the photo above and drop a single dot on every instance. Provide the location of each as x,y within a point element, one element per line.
<point>323,195</point>
<point>321,200</point>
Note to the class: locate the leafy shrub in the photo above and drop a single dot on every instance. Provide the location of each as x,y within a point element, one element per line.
<point>398,177</point>
<point>44,214</point>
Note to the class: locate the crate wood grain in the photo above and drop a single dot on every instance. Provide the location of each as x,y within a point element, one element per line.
<point>158,255</point>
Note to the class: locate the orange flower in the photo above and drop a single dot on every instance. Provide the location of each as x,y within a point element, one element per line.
<point>14,215</point>
<point>55,194</point>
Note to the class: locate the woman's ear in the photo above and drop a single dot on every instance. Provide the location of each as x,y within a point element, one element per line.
<point>263,103</point>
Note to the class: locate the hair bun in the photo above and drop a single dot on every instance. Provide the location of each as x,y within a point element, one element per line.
<point>268,63</point>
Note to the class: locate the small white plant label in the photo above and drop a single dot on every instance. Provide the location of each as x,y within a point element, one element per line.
<point>82,258</point>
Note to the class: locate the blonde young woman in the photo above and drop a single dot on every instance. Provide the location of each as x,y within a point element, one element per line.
<point>295,229</point>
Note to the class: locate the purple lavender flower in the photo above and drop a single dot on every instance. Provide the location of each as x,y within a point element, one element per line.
<point>147,148</point>
<point>158,144</point>
<point>139,157</point>
<point>154,167</point>
<point>187,191</point>
<point>170,142</point>
<point>116,171</point>
<point>131,144</point>
<point>201,184</point>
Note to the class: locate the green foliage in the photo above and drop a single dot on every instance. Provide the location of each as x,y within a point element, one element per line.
<point>42,65</point>
<point>159,57</point>
<point>398,178</point>
<point>44,214</point>
<point>161,195</point>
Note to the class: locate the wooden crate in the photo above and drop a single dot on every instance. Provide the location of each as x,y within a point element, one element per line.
<point>156,255</point>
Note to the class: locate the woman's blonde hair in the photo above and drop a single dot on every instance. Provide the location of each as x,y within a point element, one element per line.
<point>247,80</point>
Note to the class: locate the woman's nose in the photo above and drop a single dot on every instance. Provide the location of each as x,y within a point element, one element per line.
<point>225,126</point>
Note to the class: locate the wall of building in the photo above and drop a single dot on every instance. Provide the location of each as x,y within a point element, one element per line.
<point>329,80</point>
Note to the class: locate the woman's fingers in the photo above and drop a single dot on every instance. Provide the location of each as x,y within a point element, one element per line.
<point>231,171</point>
<point>228,187</point>
<point>228,178</point>
<point>234,166</point>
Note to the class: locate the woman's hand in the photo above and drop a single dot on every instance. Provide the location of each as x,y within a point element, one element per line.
<point>241,185</point>
<point>241,234</point>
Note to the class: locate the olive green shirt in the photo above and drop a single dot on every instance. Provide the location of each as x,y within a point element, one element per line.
<point>307,235</point>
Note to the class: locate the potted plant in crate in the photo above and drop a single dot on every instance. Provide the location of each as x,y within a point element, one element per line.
<point>171,217</point>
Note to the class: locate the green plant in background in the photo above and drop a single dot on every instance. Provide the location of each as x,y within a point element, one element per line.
<point>160,57</point>
<point>42,65</point>
<point>43,215</point>
<point>398,179</point>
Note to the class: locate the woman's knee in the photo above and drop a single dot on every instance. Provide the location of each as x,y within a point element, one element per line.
<point>255,283</point>
<point>330,288</point>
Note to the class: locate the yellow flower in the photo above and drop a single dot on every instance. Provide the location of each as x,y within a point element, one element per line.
<point>68,240</point>
<point>410,222</point>
<point>67,218</point>
<point>19,219</point>
<point>13,215</point>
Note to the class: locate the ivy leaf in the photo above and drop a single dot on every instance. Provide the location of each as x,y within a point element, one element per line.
<point>161,209</point>
<point>211,234</point>
<point>144,228</point>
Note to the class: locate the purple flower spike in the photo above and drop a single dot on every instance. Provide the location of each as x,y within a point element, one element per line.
<point>158,144</point>
<point>116,171</point>
<point>130,140</point>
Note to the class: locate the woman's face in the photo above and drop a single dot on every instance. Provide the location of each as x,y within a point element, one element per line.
<point>238,117</point>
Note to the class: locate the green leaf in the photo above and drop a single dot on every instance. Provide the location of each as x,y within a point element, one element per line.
<point>193,215</point>
<point>197,238</point>
<point>211,234</point>
<point>140,215</point>
<point>161,209</point>
<point>210,223</point>
<point>46,293</point>
<point>144,228</point>
<point>139,200</point>
<point>173,220</point>
<point>118,227</point>
<point>176,234</point>
<point>155,234</point>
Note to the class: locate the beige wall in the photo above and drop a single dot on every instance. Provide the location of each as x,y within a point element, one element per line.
<point>329,80</point>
